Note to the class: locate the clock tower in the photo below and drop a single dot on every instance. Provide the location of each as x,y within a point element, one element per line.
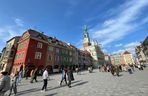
<point>86,41</point>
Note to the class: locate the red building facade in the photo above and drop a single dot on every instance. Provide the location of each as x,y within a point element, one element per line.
<point>31,52</point>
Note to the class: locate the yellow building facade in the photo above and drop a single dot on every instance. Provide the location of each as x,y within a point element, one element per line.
<point>128,58</point>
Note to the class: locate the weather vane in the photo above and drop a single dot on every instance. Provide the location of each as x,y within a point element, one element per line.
<point>85,28</point>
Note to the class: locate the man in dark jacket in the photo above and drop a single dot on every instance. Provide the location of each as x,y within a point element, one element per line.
<point>70,76</point>
<point>117,70</point>
<point>14,83</point>
<point>4,83</point>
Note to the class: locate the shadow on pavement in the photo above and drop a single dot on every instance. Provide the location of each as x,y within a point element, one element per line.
<point>81,83</point>
<point>50,79</point>
<point>92,72</point>
<point>51,94</point>
<point>120,75</point>
<point>39,89</point>
<point>81,74</point>
<point>76,81</point>
<point>28,91</point>
<point>62,86</point>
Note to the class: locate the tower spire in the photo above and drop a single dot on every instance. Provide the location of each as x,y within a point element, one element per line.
<point>85,28</point>
<point>86,41</point>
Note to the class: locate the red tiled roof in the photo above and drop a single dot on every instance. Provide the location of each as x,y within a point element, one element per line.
<point>126,52</point>
<point>35,33</point>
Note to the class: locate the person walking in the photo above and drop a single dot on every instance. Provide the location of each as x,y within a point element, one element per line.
<point>120,68</point>
<point>5,83</point>
<point>14,83</point>
<point>99,68</point>
<point>129,69</point>
<point>112,70</point>
<point>90,69</point>
<point>132,66</point>
<point>20,75</point>
<point>77,70</point>
<point>45,80</point>
<point>26,73</point>
<point>34,75</point>
<point>70,76</point>
<point>117,70</point>
<point>64,72</point>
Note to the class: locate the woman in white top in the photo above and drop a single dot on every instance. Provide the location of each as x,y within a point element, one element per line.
<point>45,79</point>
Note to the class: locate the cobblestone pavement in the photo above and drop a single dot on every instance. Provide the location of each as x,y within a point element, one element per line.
<point>91,84</point>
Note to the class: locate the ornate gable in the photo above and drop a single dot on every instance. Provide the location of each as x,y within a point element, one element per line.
<point>25,35</point>
<point>40,37</point>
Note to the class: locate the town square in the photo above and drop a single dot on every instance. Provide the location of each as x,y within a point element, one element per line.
<point>73,48</point>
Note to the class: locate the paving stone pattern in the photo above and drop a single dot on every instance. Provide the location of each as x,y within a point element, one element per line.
<point>91,84</point>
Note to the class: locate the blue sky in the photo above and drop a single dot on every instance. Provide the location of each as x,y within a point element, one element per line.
<point>118,25</point>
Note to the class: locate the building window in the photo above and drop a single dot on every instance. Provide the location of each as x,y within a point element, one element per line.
<point>70,53</point>
<point>7,53</point>
<point>50,48</point>
<point>17,56</point>
<point>70,59</point>
<point>63,51</point>
<point>38,55</point>
<point>22,55</point>
<point>50,39</point>
<point>58,58</point>
<point>18,46</point>
<point>39,45</point>
<point>67,59</point>
<point>12,54</point>
<point>66,52</point>
<point>50,57</point>
<point>57,50</point>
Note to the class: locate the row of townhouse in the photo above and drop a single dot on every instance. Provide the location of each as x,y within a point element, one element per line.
<point>142,52</point>
<point>37,50</point>
<point>124,58</point>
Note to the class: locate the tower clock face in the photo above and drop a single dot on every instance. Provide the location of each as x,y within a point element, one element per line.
<point>85,40</point>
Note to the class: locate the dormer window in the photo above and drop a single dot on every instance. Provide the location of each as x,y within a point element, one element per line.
<point>39,45</point>
<point>50,39</point>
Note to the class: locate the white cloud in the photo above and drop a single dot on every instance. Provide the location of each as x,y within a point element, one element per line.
<point>122,24</point>
<point>128,47</point>
<point>18,22</point>
<point>118,45</point>
<point>109,22</point>
<point>9,31</point>
<point>119,51</point>
<point>132,44</point>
